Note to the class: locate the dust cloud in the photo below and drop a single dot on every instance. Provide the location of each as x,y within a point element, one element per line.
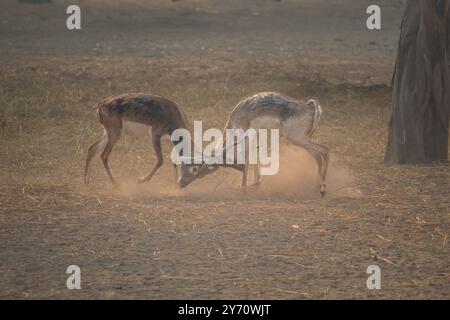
<point>297,179</point>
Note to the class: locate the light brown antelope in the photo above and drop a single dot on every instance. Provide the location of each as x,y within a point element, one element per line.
<point>296,121</point>
<point>161,116</point>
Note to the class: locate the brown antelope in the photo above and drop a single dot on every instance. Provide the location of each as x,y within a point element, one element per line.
<point>296,121</point>
<point>161,116</point>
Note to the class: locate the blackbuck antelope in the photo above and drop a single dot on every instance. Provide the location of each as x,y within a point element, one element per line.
<point>160,115</point>
<point>296,121</point>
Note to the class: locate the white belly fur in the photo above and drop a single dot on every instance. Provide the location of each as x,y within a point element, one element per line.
<point>138,130</point>
<point>265,122</point>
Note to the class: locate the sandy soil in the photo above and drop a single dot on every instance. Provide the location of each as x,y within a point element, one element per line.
<point>209,241</point>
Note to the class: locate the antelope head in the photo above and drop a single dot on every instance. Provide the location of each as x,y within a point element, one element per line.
<point>190,172</point>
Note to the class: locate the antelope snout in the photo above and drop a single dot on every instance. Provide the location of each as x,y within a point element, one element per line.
<point>181,183</point>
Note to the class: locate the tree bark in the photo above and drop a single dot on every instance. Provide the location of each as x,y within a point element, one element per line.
<point>418,128</point>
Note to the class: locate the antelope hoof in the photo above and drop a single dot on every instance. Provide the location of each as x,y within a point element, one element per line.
<point>141,180</point>
<point>323,192</point>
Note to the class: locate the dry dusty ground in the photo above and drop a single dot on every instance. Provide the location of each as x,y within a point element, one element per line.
<point>209,241</point>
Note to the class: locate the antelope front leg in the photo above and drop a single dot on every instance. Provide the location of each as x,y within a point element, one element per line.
<point>156,140</point>
<point>257,174</point>
<point>244,179</point>
<point>245,171</point>
<point>175,174</point>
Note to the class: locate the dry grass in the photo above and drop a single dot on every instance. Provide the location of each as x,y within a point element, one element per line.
<point>395,216</point>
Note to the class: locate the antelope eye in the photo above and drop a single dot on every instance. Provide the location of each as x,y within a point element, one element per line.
<point>193,170</point>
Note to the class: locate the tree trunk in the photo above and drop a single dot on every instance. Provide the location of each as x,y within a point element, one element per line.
<point>418,128</point>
